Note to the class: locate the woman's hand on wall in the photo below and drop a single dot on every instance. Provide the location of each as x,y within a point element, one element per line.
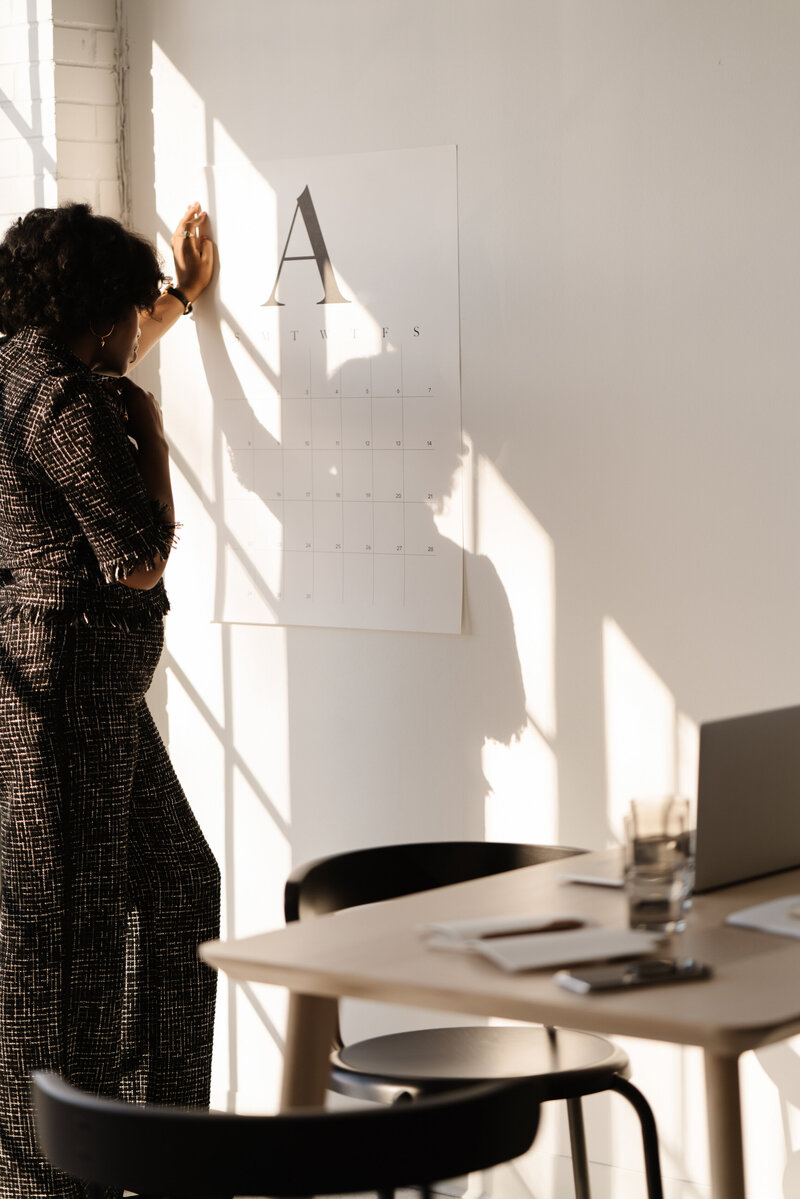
<point>193,251</point>
<point>194,265</point>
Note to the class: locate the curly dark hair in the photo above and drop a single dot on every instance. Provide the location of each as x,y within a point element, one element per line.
<point>62,269</point>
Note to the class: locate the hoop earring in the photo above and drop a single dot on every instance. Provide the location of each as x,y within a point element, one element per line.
<point>103,337</point>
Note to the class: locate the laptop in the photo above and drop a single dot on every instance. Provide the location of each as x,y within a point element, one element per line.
<point>748,802</point>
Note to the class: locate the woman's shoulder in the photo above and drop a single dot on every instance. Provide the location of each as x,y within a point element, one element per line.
<point>42,383</point>
<point>33,363</point>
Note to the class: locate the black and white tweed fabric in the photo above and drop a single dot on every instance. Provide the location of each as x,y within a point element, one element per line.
<point>107,882</point>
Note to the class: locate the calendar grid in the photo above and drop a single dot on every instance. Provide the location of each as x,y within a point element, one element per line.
<point>330,479</point>
<point>347,476</point>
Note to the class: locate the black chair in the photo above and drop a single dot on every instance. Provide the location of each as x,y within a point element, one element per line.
<point>180,1152</point>
<point>566,1064</point>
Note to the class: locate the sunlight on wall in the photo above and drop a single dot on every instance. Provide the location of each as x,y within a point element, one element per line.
<point>522,554</point>
<point>523,802</point>
<point>238,782</point>
<point>650,749</point>
<point>197,749</point>
<point>245,291</point>
<point>175,142</point>
<point>771,1104</point>
<point>640,726</point>
<point>468,492</point>
<point>449,516</point>
<point>260,1055</point>
<point>262,394</point>
<point>761,1115</point>
<point>523,776</point>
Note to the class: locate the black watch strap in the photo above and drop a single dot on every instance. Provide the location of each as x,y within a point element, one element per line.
<point>173,291</point>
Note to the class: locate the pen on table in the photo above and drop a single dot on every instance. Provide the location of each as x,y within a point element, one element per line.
<point>553,926</point>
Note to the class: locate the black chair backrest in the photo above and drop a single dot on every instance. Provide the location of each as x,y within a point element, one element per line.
<point>388,871</point>
<point>183,1153</point>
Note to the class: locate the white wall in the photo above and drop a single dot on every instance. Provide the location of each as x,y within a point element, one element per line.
<point>629,248</point>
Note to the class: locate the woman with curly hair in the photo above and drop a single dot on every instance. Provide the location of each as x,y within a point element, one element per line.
<point>107,882</point>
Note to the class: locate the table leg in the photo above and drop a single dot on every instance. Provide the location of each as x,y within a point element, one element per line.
<point>724,1127</point>
<point>309,1037</point>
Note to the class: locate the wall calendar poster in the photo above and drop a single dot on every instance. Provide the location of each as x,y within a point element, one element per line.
<point>338,402</point>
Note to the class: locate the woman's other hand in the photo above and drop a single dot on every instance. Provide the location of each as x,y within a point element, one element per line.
<point>145,423</point>
<point>147,429</point>
<point>193,251</point>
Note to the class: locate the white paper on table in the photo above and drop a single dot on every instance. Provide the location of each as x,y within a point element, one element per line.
<point>543,950</point>
<point>780,916</point>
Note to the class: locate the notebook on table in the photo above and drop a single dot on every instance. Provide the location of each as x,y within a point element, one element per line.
<point>748,802</point>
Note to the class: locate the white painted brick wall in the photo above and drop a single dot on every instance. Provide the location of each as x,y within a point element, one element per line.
<point>87,160</point>
<point>58,105</point>
<point>108,197</point>
<point>105,47</point>
<point>97,14</point>
<point>27,116</point>
<point>76,122</point>
<point>74,44</point>
<point>106,122</point>
<point>84,48</point>
<point>87,85</point>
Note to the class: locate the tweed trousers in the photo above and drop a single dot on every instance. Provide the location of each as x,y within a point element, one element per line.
<point>107,887</point>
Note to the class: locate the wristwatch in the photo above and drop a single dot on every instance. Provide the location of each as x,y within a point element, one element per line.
<point>173,291</point>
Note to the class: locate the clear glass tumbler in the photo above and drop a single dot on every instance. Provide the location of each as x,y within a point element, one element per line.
<point>659,863</point>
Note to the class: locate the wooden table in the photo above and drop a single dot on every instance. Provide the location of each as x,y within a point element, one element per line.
<point>376,952</point>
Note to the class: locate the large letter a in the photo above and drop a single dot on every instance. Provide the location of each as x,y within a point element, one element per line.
<point>331,293</point>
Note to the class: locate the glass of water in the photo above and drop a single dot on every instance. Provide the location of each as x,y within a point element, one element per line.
<point>659,863</point>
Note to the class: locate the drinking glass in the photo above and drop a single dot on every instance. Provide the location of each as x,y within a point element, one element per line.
<point>659,863</point>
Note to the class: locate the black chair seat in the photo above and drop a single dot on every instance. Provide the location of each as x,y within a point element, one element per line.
<point>564,1062</point>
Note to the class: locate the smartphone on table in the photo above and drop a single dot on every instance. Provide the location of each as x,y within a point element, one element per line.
<point>637,972</point>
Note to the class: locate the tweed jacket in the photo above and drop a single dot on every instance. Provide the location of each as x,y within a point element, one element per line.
<point>74,516</point>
